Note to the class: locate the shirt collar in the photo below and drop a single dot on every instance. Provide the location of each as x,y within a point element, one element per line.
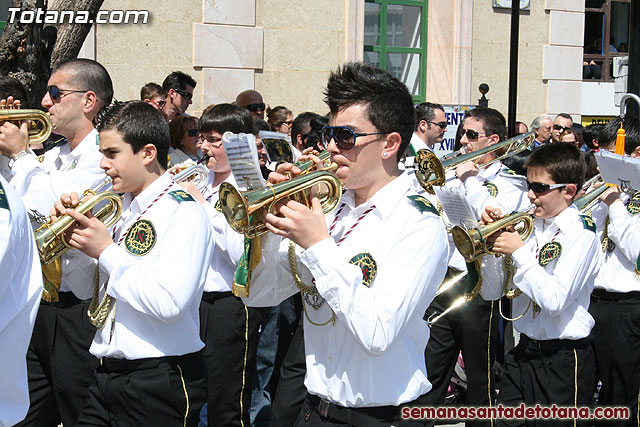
<point>491,171</point>
<point>385,199</point>
<point>87,143</point>
<point>564,220</point>
<point>148,195</point>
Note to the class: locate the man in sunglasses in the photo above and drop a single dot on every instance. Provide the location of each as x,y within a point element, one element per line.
<point>431,124</point>
<point>368,270</point>
<point>179,87</point>
<point>252,101</point>
<point>561,123</point>
<point>59,363</point>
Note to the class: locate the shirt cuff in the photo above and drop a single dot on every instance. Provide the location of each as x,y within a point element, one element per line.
<point>471,183</point>
<point>25,164</point>
<point>111,257</point>
<point>618,212</point>
<point>318,258</point>
<point>521,256</point>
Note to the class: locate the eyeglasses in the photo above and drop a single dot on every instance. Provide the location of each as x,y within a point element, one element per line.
<point>255,107</point>
<point>441,125</point>
<point>471,134</point>
<point>289,123</point>
<point>213,140</point>
<point>558,127</point>
<point>192,132</point>
<point>538,187</point>
<point>344,136</point>
<point>186,95</point>
<point>56,93</point>
<point>159,103</point>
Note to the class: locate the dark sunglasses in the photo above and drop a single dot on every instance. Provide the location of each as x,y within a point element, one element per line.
<point>558,127</point>
<point>441,125</point>
<point>471,134</point>
<point>56,93</point>
<point>255,107</point>
<point>289,123</point>
<point>538,187</point>
<point>344,136</point>
<point>192,132</point>
<point>186,95</point>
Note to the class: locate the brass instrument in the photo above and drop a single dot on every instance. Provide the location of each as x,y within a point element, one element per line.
<point>430,171</point>
<point>472,243</point>
<point>242,209</point>
<point>193,172</point>
<point>590,199</point>
<point>50,238</point>
<point>40,126</point>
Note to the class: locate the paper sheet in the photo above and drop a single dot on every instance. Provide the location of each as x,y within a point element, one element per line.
<point>243,158</point>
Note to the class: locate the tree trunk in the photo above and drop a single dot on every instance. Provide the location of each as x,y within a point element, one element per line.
<point>29,51</point>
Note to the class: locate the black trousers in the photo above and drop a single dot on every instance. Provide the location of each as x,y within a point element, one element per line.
<point>229,330</point>
<point>59,365</point>
<point>315,414</point>
<point>472,329</point>
<point>616,343</point>
<point>291,392</point>
<point>547,376</point>
<point>167,391</point>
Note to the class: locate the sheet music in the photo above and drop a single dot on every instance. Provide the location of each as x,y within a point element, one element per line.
<point>243,158</point>
<point>456,207</point>
<point>619,170</point>
<point>277,145</point>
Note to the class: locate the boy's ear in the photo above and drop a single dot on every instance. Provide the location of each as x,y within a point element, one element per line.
<point>571,190</point>
<point>150,154</point>
<point>636,153</point>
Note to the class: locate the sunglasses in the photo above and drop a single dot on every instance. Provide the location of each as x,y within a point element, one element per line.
<point>192,132</point>
<point>56,93</point>
<point>441,125</point>
<point>344,136</point>
<point>160,103</point>
<point>289,123</point>
<point>186,95</point>
<point>558,127</point>
<point>255,107</point>
<point>538,187</point>
<point>471,134</point>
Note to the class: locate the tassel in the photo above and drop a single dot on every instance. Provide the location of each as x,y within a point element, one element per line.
<point>620,140</point>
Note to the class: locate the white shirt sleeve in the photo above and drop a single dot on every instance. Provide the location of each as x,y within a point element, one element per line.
<point>624,230</point>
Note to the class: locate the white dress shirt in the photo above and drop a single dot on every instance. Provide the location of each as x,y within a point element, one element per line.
<point>618,271</point>
<point>157,294</point>
<point>561,289</point>
<point>40,185</point>
<point>229,244</point>
<point>374,355</point>
<point>20,290</point>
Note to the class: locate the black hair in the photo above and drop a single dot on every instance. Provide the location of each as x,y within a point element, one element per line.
<point>517,161</point>
<point>139,124</point>
<point>87,74</point>
<point>631,126</point>
<point>563,161</point>
<point>565,115</point>
<point>178,81</point>
<point>590,133</point>
<point>426,111</point>
<point>223,118</point>
<point>493,122</point>
<point>301,125</point>
<point>259,124</point>
<point>314,138</point>
<point>389,106</point>
<point>591,165</point>
<point>10,86</point>
<point>151,91</point>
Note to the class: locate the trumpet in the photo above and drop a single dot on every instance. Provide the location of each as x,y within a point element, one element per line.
<point>40,126</point>
<point>430,171</point>
<point>50,239</point>
<point>193,172</point>
<point>472,243</point>
<point>587,201</point>
<point>242,209</point>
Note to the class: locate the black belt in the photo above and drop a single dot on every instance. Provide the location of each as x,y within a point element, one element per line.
<point>214,296</point>
<point>555,344</point>
<point>365,417</point>
<point>614,296</point>
<point>108,364</point>
<point>65,299</point>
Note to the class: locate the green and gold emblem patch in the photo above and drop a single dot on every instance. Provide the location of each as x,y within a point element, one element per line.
<point>634,204</point>
<point>493,189</point>
<point>588,223</point>
<point>549,252</point>
<point>218,206</point>
<point>4,203</point>
<point>140,238</point>
<point>181,196</point>
<point>422,204</point>
<point>368,266</point>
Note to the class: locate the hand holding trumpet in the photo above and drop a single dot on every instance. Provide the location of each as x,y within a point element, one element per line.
<point>13,139</point>
<point>505,241</point>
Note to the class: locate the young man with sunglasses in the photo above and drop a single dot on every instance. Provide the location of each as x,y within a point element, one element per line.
<point>368,270</point>
<point>561,123</point>
<point>431,124</point>
<point>615,301</point>
<point>59,364</point>
<point>554,272</point>
<point>179,87</point>
<point>252,101</point>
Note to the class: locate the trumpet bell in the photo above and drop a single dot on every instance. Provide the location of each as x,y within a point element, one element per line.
<point>40,126</point>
